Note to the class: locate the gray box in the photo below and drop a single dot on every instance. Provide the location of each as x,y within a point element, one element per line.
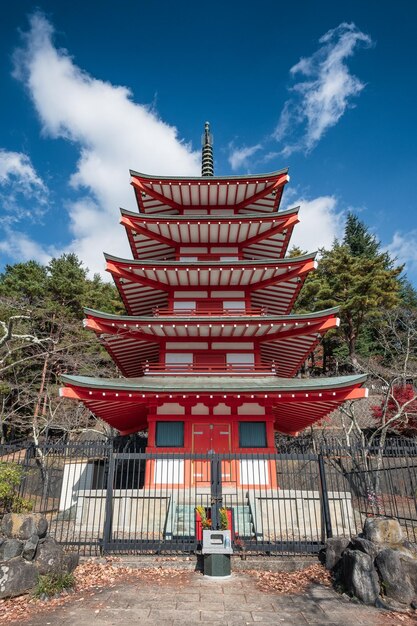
<point>217,542</point>
<point>217,565</point>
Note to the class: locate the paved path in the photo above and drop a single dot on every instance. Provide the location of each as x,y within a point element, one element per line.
<point>212,602</point>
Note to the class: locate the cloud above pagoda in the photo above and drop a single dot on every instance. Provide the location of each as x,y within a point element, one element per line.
<point>111,132</point>
<point>324,93</point>
<point>318,100</point>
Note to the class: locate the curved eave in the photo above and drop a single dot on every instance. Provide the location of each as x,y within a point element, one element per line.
<point>181,265</point>
<point>215,384</point>
<point>171,219</point>
<point>145,285</point>
<point>239,177</point>
<point>254,236</point>
<point>94,313</point>
<point>226,194</point>
<point>295,404</point>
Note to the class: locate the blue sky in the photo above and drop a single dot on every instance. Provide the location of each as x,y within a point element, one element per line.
<point>91,89</point>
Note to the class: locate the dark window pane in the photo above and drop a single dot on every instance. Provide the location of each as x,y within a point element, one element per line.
<point>252,434</point>
<point>170,434</point>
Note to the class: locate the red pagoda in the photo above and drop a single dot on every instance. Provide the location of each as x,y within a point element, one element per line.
<point>209,348</point>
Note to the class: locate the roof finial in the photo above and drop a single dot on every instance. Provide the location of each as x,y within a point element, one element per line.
<point>207,166</point>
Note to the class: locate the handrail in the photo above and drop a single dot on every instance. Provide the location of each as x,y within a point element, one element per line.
<point>215,313</point>
<point>211,369</point>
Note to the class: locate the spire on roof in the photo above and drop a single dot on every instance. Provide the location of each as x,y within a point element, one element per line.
<point>207,166</point>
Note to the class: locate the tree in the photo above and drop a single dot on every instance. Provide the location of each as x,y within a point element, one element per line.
<point>357,238</point>
<point>362,287</point>
<point>398,410</point>
<point>41,337</point>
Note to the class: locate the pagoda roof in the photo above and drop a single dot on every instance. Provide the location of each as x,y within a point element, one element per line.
<point>285,340</point>
<point>145,284</point>
<point>297,403</point>
<point>259,236</point>
<point>240,194</point>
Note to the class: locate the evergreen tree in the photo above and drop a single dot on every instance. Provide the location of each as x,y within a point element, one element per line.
<point>357,238</point>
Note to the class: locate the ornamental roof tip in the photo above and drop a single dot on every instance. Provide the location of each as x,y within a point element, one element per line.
<point>210,179</point>
<point>218,384</point>
<point>211,318</point>
<point>249,262</point>
<point>146,217</point>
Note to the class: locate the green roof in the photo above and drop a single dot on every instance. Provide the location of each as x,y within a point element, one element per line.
<point>211,178</point>
<point>241,384</point>
<point>208,218</point>
<point>243,262</point>
<point>212,318</point>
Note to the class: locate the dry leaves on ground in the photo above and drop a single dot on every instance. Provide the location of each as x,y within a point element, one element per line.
<point>90,577</point>
<point>291,582</point>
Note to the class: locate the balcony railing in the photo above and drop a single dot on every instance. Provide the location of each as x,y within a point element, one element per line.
<point>255,311</point>
<point>185,369</point>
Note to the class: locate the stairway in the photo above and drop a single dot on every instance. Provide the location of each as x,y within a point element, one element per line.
<point>242,521</point>
<point>181,521</point>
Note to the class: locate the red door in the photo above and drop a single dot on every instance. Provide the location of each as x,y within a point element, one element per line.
<point>209,438</point>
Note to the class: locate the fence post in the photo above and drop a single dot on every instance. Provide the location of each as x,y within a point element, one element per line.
<point>216,492</point>
<point>324,498</point>
<point>108,517</point>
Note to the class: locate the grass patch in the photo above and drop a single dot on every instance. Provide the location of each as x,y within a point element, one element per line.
<point>51,584</point>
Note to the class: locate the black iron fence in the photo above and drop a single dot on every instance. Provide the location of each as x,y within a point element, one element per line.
<point>106,496</point>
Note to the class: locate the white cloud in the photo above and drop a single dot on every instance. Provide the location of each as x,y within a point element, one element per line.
<point>239,156</point>
<point>319,101</point>
<point>404,248</point>
<point>17,167</point>
<point>320,223</point>
<point>112,132</point>
<point>19,182</point>
<point>19,246</point>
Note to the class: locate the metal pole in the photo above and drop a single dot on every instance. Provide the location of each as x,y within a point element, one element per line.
<point>108,519</point>
<point>216,492</point>
<point>324,498</point>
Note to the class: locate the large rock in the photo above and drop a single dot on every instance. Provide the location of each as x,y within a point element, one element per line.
<point>49,557</point>
<point>24,525</point>
<point>29,548</point>
<point>366,546</point>
<point>383,530</point>
<point>333,550</point>
<point>17,577</point>
<point>394,581</point>
<point>359,576</point>
<point>71,561</point>
<point>10,549</point>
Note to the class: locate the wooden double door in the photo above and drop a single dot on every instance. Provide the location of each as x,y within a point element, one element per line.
<point>211,439</point>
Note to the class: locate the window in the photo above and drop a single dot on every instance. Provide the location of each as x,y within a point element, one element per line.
<point>252,434</point>
<point>170,434</point>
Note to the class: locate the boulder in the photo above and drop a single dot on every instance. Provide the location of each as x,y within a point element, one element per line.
<point>383,530</point>
<point>395,583</point>
<point>71,561</point>
<point>17,577</point>
<point>409,566</point>
<point>29,547</point>
<point>333,551</point>
<point>10,549</point>
<point>366,546</point>
<point>49,556</point>
<point>359,576</point>
<point>24,525</point>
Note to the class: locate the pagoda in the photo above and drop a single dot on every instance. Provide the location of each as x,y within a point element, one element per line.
<point>209,349</point>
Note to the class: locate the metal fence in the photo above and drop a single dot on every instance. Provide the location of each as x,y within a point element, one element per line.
<point>112,497</point>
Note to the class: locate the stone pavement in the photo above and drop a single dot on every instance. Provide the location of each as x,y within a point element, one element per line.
<point>215,602</point>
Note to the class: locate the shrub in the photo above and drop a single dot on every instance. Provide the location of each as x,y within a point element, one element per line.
<point>11,475</point>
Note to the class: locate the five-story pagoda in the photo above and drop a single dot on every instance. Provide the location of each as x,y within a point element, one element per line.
<point>209,347</point>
